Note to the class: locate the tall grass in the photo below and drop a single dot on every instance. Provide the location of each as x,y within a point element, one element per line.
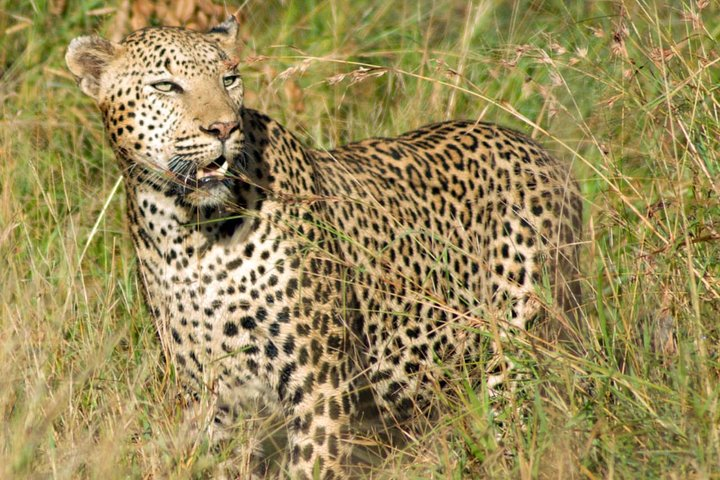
<point>625,92</point>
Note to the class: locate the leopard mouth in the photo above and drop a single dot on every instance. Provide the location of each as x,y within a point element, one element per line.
<point>212,173</point>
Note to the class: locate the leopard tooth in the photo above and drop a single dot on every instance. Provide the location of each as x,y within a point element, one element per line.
<point>223,169</point>
<point>200,173</point>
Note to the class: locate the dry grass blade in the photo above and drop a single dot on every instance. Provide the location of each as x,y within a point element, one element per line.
<point>358,75</point>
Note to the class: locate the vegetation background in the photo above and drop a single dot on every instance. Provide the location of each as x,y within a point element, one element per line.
<point>626,92</point>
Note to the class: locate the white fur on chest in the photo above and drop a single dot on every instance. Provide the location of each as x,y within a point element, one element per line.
<point>217,298</point>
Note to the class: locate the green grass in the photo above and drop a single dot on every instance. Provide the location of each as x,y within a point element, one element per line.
<point>625,92</point>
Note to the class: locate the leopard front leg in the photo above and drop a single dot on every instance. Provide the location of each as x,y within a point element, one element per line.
<point>236,436</point>
<point>319,409</point>
<point>236,427</point>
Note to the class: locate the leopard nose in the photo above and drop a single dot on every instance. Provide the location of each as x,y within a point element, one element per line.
<point>221,130</point>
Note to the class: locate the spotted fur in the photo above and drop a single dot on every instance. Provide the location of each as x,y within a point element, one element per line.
<point>300,279</point>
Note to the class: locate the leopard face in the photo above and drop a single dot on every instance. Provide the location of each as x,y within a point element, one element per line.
<point>170,101</point>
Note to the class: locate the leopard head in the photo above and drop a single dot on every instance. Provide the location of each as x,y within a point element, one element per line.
<point>170,100</point>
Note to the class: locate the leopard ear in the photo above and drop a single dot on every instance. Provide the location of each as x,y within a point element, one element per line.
<point>87,58</point>
<point>227,34</point>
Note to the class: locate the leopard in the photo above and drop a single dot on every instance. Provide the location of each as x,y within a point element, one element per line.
<point>326,287</point>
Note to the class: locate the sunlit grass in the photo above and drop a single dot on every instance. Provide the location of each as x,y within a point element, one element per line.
<point>626,95</point>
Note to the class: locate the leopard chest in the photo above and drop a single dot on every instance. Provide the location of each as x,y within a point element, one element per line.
<point>220,295</point>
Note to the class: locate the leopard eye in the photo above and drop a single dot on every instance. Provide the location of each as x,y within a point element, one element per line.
<point>167,87</point>
<point>231,80</point>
